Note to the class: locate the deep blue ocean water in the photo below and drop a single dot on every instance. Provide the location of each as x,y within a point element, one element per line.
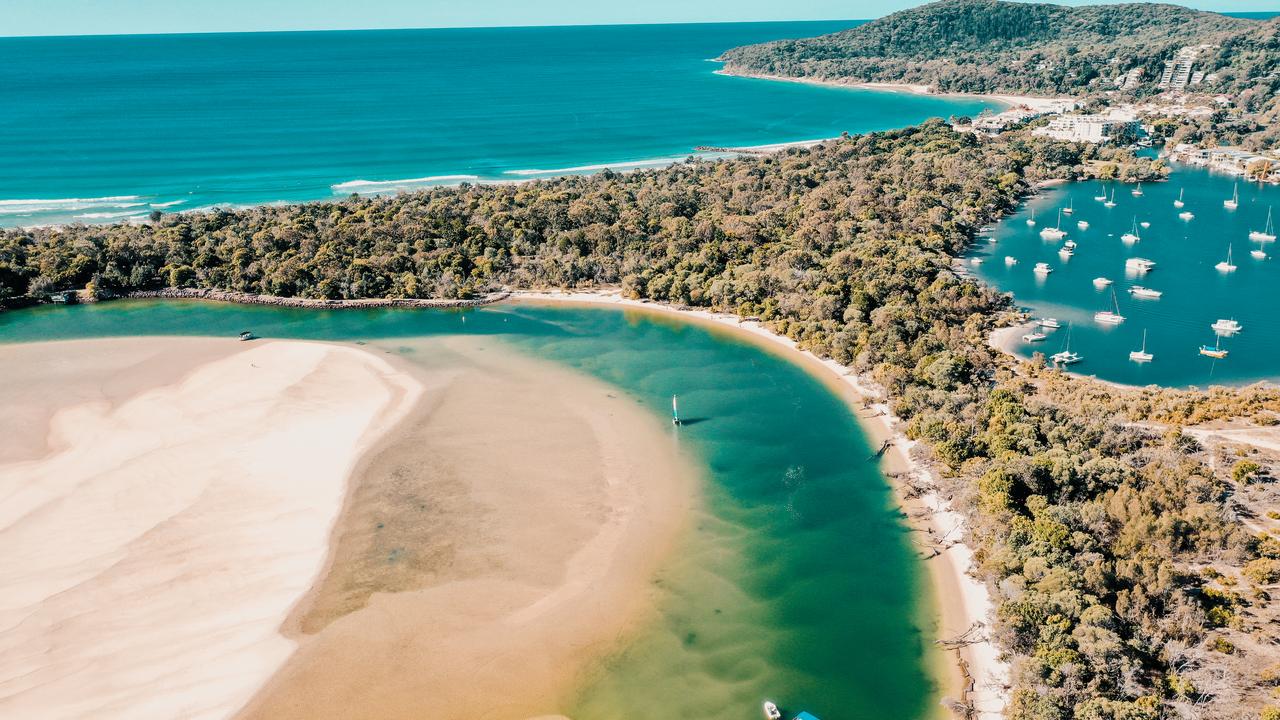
<point>105,128</point>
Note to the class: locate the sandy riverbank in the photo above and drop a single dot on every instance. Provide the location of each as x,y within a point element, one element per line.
<point>963,601</point>
<point>204,528</point>
<point>492,550</point>
<point>1031,101</point>
<point>172,507</point>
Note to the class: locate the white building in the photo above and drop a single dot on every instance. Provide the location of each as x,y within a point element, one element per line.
<point>1090,128</point>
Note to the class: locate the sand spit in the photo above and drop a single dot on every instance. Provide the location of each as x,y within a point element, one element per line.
<point>176,504</point>
<point>965,606</point>
<point>492,550</point>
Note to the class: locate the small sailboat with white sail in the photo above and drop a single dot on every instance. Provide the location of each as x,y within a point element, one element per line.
<point>1142,355</point>
<point>1131,236</point>
<point>1137,192</point>
<point>1258,254</point>
<point>1178,203</point>
<point>1226,265</point>
<point>1111,201</point>
<point>1267,234</point>
<point>1102,197</point>
<point>1031,221</point>
<point>1066,356</point>
<point>1234,202</point>
<point>1054,233</point>
<point>1071,207</point>
<point>1110,316</point>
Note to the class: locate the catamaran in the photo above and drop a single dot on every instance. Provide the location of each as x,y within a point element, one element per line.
<point>1268,234</point>
<point>1043,269</point>
<point>1226,265</point>
<point>1227,327</point>
<point>1132,235</point>
<point>1101,282</point>
<point>1137,192</point>
<point>1178,203</point>
<point>1234,202</point>
<point>1083,224</point>
<point>1010,260</point>
<point>1111,202</point>
<point>1071,206</point>
<point>1111,316</point>
<point>1187,215</point>
<point>1054,233</point>
<point>1145,292</point>
<point>1065,356</point>
<point>1214,352</point>
<point>1142,355</point>
<point>1138,264</point>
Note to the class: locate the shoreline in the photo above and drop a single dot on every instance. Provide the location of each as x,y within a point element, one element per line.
<point>962,603</point>
<point>1011,100</point>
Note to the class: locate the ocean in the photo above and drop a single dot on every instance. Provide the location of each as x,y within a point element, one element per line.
<point>111,128</point>
<point>1195,294</point>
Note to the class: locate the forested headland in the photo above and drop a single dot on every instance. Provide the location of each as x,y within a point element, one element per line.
<point>1110,548</point>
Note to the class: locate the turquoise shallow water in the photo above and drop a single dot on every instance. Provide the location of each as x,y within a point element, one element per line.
<point>798,582</point>
<point>1185,252</point>
<point>107,128</point>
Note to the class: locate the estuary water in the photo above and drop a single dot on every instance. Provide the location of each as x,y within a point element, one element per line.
<point>797,582</point>
<point>100,129</point>
<point>1195,294</point>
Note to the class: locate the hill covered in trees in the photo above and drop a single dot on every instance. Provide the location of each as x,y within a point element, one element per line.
<point>1093,534</point>
<point>987,46</point>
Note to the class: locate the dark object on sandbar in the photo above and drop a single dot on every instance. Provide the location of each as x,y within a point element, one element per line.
<point>247,335</point>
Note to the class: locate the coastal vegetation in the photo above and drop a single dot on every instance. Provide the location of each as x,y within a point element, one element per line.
<point>1106,535</point>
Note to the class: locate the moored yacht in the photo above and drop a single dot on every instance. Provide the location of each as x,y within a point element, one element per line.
<point>1234,202</point>
<point>1178,203</point>
<point>1131,236</point>
<point>1187,215</point>
<point>1111,201</point>
<point>1145,292</point>
<point>1227,327</point>
<point>1071,207</point>
<point>1226,265</point>
<point>1054,233</point>
<point>1137,192</point>
<point>1145,224</point>
<point>1031,221</point>
<point>1010,260</point>
<point>1142,355</point>
<point>1043,269</point>
<point>1112,315</point>
<point>1083,224</point>
<point>771,711</point>
<point>1034,336</point>
<point>1215,352</point>
<point>1267,234</point>
<point>1101,282</point>
<point>1049,323</point>
<point>1258,254</point>
<point>1065,356</point>
<point>1139,264</point>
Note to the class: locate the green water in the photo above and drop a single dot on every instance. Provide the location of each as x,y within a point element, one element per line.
<point>798,582</point>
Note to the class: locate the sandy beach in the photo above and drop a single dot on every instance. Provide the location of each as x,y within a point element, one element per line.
<point>1032,101</point>
<point>175,506</point>
<point>964,605</point>
<point>204,528</point>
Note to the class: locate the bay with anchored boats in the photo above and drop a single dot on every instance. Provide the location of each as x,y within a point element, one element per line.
<point>1170,263</point>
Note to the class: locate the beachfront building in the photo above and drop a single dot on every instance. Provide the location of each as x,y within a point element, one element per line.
<point>1091,128</point>
<point>1231,160</point>
<point>1020,115</point>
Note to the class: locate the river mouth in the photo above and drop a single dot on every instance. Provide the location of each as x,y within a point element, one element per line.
<point>1194,292</point>
<point>796,580</point>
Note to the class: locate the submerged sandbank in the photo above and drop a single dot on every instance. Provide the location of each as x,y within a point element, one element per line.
<point>963,602</point>
<point>174,506</point>
<point>492,550</point>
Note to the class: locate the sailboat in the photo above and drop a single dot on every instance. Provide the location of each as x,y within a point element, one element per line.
<point>1142,355</point>
<point>1267,234</point>
<point>1234,202</point>
<point>1111,202</point>
<point>675,411</point>
<point>1226,265</point>
<point>1054,233</point>
<point>1112,316</point>
<point>1031,221</point>
<point>1178,203</point>
<point>1065,356</point>
<point>1187,215</point>
<point>1214,352</point>
<point>1102,197</point>
<point>1132,235</point>
<point>1137,192</point>
<point>1258,254</point>
<point>1071,206</point>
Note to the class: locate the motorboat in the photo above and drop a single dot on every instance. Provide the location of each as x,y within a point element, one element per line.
<point>1010,260</point>
<point>1145,292</point>
<point>1187,215</point>
<point>1101,282</point>
<point>1034,336</point>
<point>1083,224</point>
<point>771,711</point>
<point>1043,269</point>
<point>1051,323</point>
<point>1139,264</point>
<point>1215,352</point>
<point>1144,224</point>
<point>1226,327</point>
